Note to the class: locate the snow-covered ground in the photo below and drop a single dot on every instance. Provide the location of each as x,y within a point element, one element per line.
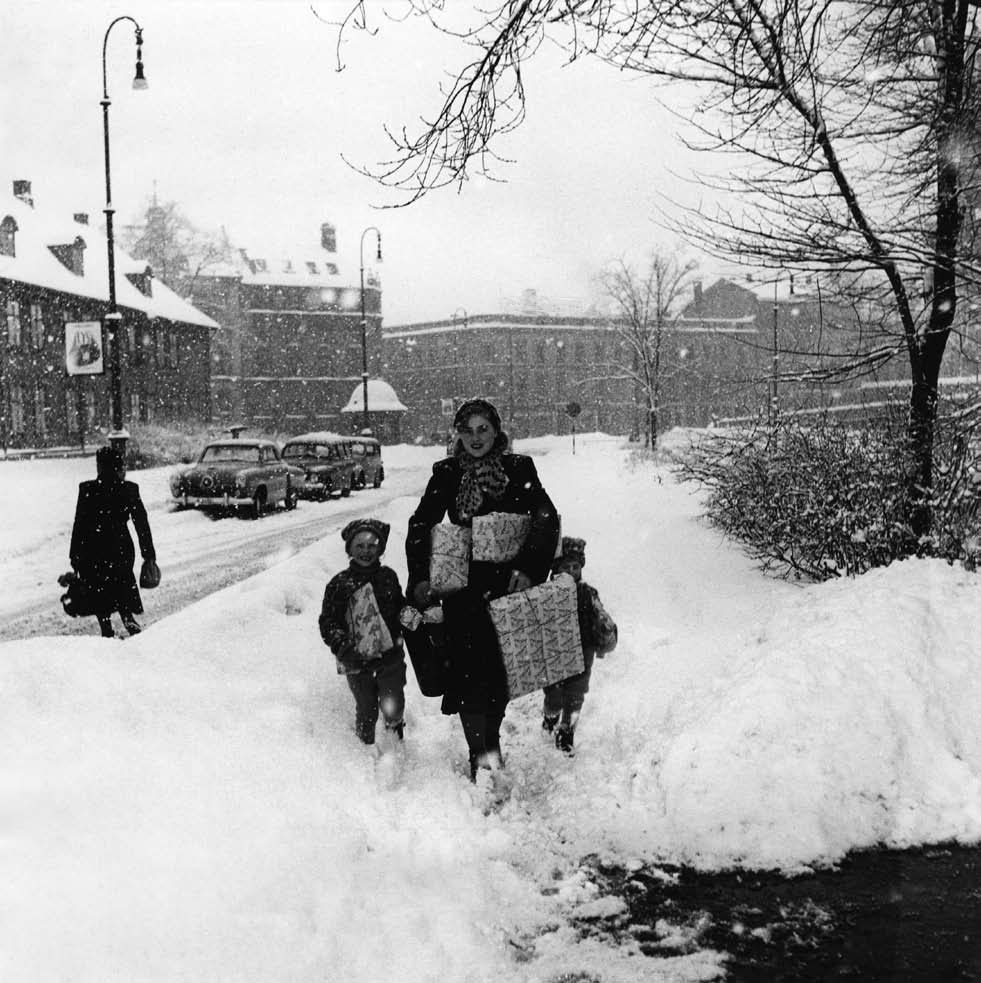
<point>192,804</point>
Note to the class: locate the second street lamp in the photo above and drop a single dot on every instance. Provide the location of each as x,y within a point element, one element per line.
<point>364,328</point>
<point>113,318</point>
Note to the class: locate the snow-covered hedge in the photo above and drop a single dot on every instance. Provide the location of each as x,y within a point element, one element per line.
<point>819,499</point>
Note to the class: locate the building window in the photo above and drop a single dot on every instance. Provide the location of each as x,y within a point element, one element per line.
<point>135,407</point>
<point>540,351</point>
<point>13,323</point>
<point>16,408</point>
<point>37,326</point>
<point>40,411</point>
<point>8,230</point>
<point>173,348</point>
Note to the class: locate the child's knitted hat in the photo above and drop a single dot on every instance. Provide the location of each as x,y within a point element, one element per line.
<point>376,526</point>
<point>572,549</point>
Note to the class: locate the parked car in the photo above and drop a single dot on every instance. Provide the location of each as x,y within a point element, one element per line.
<point>368,467</point>
<point>326,461</point>
<point>232,473</point>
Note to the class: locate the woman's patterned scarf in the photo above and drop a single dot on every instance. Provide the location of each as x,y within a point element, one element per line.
<point>482,476</point>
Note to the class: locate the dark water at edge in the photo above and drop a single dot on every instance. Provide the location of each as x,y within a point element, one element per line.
<point>881,915</point>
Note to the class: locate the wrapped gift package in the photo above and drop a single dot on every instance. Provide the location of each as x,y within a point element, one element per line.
<point>449,558</point>
<point>538,633</point>
<point>368,629</point>
<point>499,536</point>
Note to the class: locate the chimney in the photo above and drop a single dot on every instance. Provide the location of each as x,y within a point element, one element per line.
<point>328,237</point>
<point>82,218</point>
<point>22,190</point>
<point>697,287</point>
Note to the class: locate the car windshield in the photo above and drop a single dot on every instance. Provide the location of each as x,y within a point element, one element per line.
<point>230,452</point>
<point>325,452</point>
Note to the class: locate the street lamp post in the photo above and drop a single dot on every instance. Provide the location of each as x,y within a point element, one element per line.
<point>364,326</point>
<point>113,320</point>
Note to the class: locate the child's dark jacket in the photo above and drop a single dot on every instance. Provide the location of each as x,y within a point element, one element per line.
<point>597,629</point>
<point>333,613</point>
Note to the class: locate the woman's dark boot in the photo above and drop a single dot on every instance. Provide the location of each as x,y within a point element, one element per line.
<point>131,624</point>
<point>105,626</point>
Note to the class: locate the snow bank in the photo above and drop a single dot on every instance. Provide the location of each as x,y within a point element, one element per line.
<point>192,803</point>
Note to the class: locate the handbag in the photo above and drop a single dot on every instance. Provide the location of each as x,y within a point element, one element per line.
<point>77,599</point>
<point>429,655</point>
<point>149,575</point>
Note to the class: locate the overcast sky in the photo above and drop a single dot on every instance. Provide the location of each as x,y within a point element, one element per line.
<point>246,119</point>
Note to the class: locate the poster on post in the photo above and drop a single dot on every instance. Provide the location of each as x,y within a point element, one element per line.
<point>84,354</point>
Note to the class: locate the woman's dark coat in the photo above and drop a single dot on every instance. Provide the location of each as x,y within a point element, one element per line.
<point>101,549</point>
<point>477,683</point>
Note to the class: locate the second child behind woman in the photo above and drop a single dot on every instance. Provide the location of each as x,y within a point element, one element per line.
<point>377,681</point>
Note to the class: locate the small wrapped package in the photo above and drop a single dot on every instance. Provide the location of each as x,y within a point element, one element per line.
<point>538,633</point>
<point>499,536</point>
<point>410,618</point>
<point>371,636</point>
<point>449,558</point>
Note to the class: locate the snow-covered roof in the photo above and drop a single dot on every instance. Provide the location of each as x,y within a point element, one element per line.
<point>485,322</point>
<point>382,398</point>
<point>301,268</point>
<point>36,264</point>
<point>319,436</point>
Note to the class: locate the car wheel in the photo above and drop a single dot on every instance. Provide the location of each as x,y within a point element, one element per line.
<point>345,491</point>
<point>377,483</point>
<point>291,497</point>
<point>258,504</point>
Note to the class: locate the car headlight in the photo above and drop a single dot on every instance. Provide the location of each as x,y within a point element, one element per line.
<point>176,484</point>
<point>240,483</point>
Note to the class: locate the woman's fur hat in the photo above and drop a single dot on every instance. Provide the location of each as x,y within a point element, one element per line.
<point>108,461</point>
<point>376,526</point>
<point>482,407</point>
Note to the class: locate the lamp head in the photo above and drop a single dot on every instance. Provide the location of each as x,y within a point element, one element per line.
<point>139,80</point>
<point>379,247</point>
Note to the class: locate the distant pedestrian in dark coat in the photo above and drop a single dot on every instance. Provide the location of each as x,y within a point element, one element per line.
<point>598,631</point>
<point>101,550</point>
<point>480,477</point>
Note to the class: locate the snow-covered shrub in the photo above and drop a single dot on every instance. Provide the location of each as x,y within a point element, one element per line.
<point>819,498</point>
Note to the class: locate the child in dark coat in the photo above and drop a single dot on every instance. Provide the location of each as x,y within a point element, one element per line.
<point>564,700</point>
<point>368,651</point>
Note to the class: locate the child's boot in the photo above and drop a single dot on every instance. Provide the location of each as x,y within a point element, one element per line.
<point>565,732</point>
<point>549,721</point>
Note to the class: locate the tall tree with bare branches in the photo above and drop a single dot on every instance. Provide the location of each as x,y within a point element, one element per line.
<point>643,305</point>
<point>853,124</point>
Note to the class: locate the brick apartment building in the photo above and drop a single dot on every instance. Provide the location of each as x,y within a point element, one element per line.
<point>53,272</point>
<point>288,353</point>
<point>535,364</point>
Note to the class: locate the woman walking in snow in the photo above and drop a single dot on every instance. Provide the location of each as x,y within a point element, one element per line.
<point>101,551</point>
<point>480,477</point>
